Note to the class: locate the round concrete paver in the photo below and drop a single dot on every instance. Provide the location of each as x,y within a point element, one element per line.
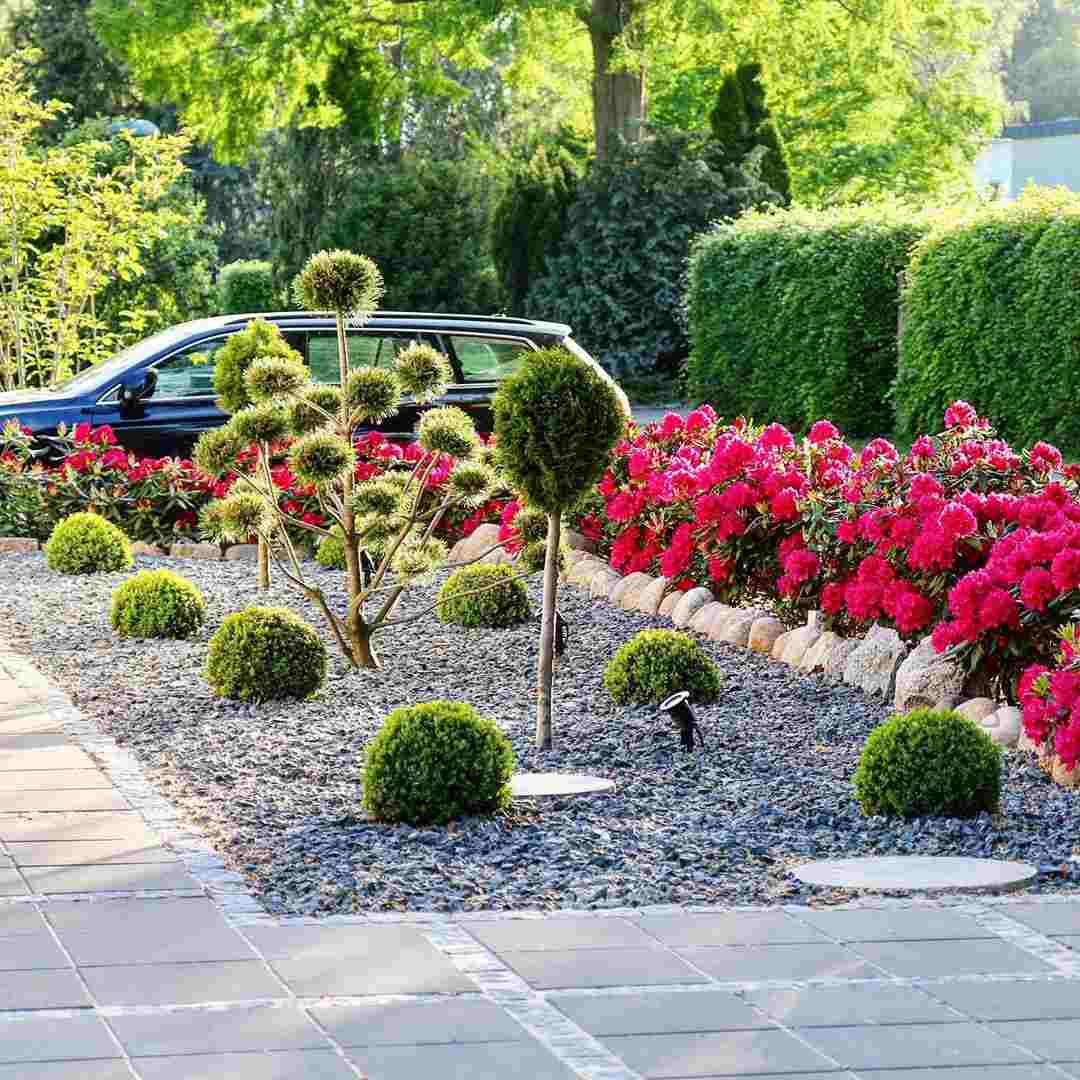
<point>917,873</point>
<point>539,785</point>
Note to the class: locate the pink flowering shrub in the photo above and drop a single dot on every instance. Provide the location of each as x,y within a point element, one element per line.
<point>963,536</point>
<point>1050,698</point>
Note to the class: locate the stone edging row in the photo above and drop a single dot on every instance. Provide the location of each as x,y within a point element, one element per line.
<point>880,664</point>
<point>236,553</point>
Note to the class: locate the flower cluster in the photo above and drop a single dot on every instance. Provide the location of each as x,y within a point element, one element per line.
<point>1050,699</point>
<point>962,536</point>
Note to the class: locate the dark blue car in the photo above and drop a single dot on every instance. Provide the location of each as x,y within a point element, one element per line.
<point>158,395</point>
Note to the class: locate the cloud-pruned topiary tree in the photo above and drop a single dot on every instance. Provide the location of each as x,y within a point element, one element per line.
<point>380,517</point>
<point>557,421</point>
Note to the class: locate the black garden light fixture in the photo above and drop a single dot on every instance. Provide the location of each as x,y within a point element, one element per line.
<point>678,708</point>
<point>562,633</point>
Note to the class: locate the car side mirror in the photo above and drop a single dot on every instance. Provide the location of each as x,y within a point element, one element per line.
<point>137,387</point>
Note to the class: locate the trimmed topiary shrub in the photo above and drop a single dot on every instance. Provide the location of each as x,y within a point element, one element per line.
<point>264,653</point>
<point>86,543</point>
<point>159,604</point>
<point>990,318</point>
<point>247,285</point>
<point>331,551</point>
<point>793,315</point>
<point>434,762</point>
<point>654,664</point>
<point>503,601</point>
<point>258,339</point>
<point>929,763</point>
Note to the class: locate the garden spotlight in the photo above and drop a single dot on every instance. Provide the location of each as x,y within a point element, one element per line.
<point>678,708</point>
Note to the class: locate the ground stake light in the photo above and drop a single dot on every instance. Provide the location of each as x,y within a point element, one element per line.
<point>678,708</point>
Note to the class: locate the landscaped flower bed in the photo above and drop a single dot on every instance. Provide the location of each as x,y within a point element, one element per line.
<point>277,786</point>
<point>963,537</point>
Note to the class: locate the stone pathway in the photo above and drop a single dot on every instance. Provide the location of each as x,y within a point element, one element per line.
<point>128,951</point>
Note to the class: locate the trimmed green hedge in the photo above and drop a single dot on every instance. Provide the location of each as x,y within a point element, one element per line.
<point>793,314</point>
<point>991,317</point>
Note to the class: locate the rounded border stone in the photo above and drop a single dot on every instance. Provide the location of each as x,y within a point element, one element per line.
<point>917,873</point>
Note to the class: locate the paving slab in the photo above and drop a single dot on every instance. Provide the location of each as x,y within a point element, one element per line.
<point>560,969</point>
<point>66,756</point>
<point>215,1031</point>
<point>24,779</point>
<point>731,928</point>
<point>561,933</point>
<point>751,963</point>
<point>460,1061</point>
<point>933,959</point>
<point>830,1006</point>
<point>1054,1040</point>
<point>21,919</point>
<point>913,1046</point>
<point>64,799</point>
<point>182,984</point>
<point>91,825</point>
<point>896,924</point>
<point>1046,918</point>
<point>67,1070</point>
<point>43,737</point>
<point>659,1012</point>
<point>146,932</point>
<point>51,1038</point>
<point>31,952</point>
<point>985,1072</point>
<point>1012,999</point>
<point>346,960</point>
<point>121,877</point>
<point>389,1023</point>
<point>917,873</point>
<point>58,989</point>
<point>290,1065</point>
<point>11,882</point>
<point>88,853</point>
<point>728,1053</point>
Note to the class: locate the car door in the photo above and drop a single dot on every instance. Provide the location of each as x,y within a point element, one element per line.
<point>181,407</point>
<point>371,348</point>
<point>483,360</point>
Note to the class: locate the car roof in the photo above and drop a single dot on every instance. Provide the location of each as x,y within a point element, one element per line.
<point>414,319</point>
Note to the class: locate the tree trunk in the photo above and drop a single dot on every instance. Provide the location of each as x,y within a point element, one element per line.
<point>264,564</point>
<point>618,96</point>
<point>363,650</point>
<point>546,665</point>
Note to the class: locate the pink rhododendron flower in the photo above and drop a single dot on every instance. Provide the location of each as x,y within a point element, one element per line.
<point>958,521</point>
<point>960,414</point>
<point>777,437</point>
<point>822,432</point>
<point>1044,457</point>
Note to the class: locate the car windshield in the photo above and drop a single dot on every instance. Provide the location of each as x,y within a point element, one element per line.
<point>100,374</point>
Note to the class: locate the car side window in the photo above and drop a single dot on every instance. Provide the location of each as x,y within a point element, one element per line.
<point>365,350</point>
<point>188,373</point>
<point>488,359</point>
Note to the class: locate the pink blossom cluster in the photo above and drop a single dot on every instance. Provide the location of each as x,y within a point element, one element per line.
<point>1050,699</point>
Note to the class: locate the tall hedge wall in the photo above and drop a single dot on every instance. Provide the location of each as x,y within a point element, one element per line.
<point>793,314</point>
<point>992,315</point>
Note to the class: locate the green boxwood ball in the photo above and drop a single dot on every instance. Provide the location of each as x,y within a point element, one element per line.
<point>331,550</point>
<point>265,653</point>
<point>86,543</point>
<point>557,421</point>
<point>929,763</point>
<point>503,602</point>
<point>435,762</point>
<point>157,604</point>
<point>654,664</point>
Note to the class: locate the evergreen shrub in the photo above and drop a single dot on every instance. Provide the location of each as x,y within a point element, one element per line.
<point>929,763</point>
<point>157,604</point>
<point>85,543</point>
<point>503,601</point>
<point>247,285</point>
<point>435,762</point>
<point>654,664</point>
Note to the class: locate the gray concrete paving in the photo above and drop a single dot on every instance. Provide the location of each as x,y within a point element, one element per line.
<point>128,951</point>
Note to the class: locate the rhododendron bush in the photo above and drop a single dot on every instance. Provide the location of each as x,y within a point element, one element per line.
<point>1050,698</point>
<point>963,537</point>
<point>158,500</point>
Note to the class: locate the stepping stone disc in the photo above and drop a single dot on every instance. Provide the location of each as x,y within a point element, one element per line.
<point>540,785</point>
<point>917,873</point>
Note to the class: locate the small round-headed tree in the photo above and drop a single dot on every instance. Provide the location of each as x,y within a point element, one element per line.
<point>557,421</point>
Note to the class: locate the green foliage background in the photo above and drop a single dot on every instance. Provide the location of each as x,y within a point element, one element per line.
<point>990,317</point>
<point>793,315</point>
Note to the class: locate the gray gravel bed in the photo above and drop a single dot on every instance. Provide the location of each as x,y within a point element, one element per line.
<point>276,787</point>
